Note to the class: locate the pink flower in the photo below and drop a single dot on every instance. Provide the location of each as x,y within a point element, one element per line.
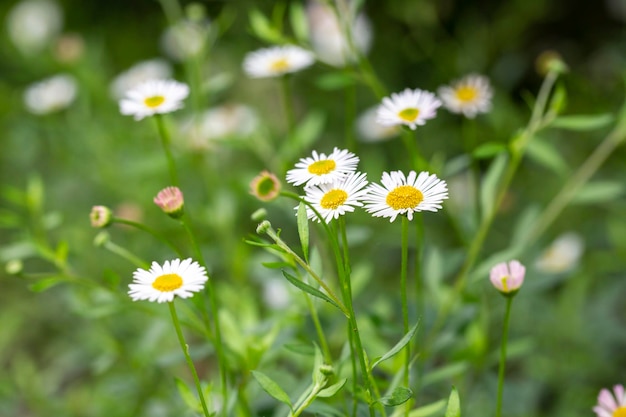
<point>611,405</point>
<point>171,201</point>
<point>508,277</point>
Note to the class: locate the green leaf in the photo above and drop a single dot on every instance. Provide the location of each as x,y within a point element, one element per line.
<point>303,230</point>
<point>398,347</point>
<point>335,81</point>
<point>277,265</point>
<point>399,396</point>
<point>46,283</point>
<point>445,372</point>
<point>305,134</point>
<point>332,390</point>
<point>582,122</point>
<point>558,100</point>
<point>310,290</point>
<point>454,404</point>
<point>545,154</point>
<point>62,251</point>
<point>488,150</point>
<point>489,188</point>
<point>262,28</point>
<point>188,397</point>
<point>271,387</point>
<point>429,409</point>
<point>599,192</point>
<point>299,22</point>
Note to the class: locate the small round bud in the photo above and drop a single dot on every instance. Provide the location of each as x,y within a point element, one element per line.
<point>14,267</point>
<point>263,227</point>
<point>265,186</point>
<point>327,370</point>
<point>101,217</point>
<point>101,239</point>
<point>259,215</point>
<point>550,61</point>
<point>171,201</point>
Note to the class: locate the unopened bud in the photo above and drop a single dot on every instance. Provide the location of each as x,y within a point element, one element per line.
<point>263,227</point>
<point>100,217</point>
<point>171,201</point>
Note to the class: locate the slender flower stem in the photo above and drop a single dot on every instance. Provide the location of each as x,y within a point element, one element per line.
<point>165,141</point>
<point>125,253</point>
<point>288,105</point>
<point>505,332</point>
<point>150,231</point>
<point>403,295</point>
<point>223,364</point>
<point>318,328</point>
<point>185,348</point>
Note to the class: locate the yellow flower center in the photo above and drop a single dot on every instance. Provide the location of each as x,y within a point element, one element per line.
<point>404,197</point>
<point>322,167</point>
<point>620,412</point>
<point>505,286</point>
<point>167,283</point>
<point>409,115</point>
<point>280,65</point>
<point>154,101</point>
<point>466,93</point>
<point>333,199</point>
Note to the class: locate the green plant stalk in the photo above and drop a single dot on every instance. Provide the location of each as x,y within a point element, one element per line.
<point>173,11</point>
<point>288,105</point>
<point>126,254</point>
<point>404,297</point>
<point>409,137</point>
<point>185,348</point>
<point>307,400</point>
<point>150,231</point>
<point>503,343</point>
<point>575,182</point>
<point>165,141</point>
<point>223,363</point>
<point>318,328</point>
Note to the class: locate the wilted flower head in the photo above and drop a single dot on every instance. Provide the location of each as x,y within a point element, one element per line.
<point>328,38</point>
<point>33,24</point>
<point>50,95</point>
<point>163,283</point>
<point>469,96</point>
<point>153,69</point>
<point>277,60</point>
<point>171,201</point>
<point>100,216</point>
<point>409,107</point>
<point>562,255</point>
<point>154,97</point>
<point>508,277</point>
<point>265,186</point>
<point>611,404</point>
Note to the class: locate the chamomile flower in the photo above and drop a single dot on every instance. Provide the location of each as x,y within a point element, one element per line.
<point>322,169</point>
<point>51,95</point>
<point>409,107</point>
<point>153,69</point>
<point>162,283</point>
<point>278,60</point>
<point>154,97</point>
<point>469,96</point>
<point>400,194</point>
<point>337,198</point>
<point>611,404</point>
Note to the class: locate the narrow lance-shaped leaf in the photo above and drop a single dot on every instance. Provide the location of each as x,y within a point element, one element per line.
<point>188,397</point>
<point>272,388</point>
<point>582,122</point>
<point>489,188</point>
<point>333,389</point>
<point>454,404</point>
<point>398,347</point>
<point>310,290</point>
<point>399,396</point>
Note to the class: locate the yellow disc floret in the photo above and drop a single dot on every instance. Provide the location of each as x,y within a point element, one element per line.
<point>322,167</point>
<point>167,282</point>
<point>404,197</point>
<point>280,65</point>
<point>466,93</point>
<point>620,412</point>
<point>409,115</point>
<point>154,101</point>
<point>333,199</point>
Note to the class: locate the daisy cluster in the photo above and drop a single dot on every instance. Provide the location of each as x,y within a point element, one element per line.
<point>333,187</point>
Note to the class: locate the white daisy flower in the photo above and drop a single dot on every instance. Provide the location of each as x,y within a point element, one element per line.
<point>322,169</point>
<point>468,96</point>
<point>153,69</point>
<point>50,95</point>
<point>405,195</point>
<point>162,283</point>
<point>152,97</point>
<point>34,24</point>
<point>410,107</point>
<point>562,255</point>
<point>278,60</point>
<point>335,199</point>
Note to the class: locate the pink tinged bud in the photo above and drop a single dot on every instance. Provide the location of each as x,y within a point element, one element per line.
<point>265,186</point>
<point>171,201</point>
<point>100,216</point>
<point>508,277</point>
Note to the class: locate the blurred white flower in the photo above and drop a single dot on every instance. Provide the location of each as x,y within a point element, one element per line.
<point>408,107</point>
<point>185,39</point>
<point>276,294</point>
<point>328,39</point>
<point>34,24</point>
<point>276,61</point>
<point>370,130</point>
<point>562,255</point>
<point>219,123</point>
<point>50,95</point>
<point>469,96</point>
<point>153,69</point>
<point>154,97</point>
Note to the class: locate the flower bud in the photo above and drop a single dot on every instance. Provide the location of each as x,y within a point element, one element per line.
<point>259,215</point>
<point>14,267</point>
<point>101,217</point>
<point>508,277</point>
<point>171,201</point>
<point>263,227</point>
<point>265,186</point>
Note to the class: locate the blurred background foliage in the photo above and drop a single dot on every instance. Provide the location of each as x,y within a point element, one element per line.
<point>81,348</point>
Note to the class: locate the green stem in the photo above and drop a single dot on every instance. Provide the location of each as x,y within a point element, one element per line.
<point>307,401</point>
<point>505,332</point>
<point>185,348</point>
<point>403,296</point>
<point>126,254</point>
<point>223,364</point>
<point>165,141</point>
<point>150,231</point>
<point>288,106</point>
<point>318,328</point>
